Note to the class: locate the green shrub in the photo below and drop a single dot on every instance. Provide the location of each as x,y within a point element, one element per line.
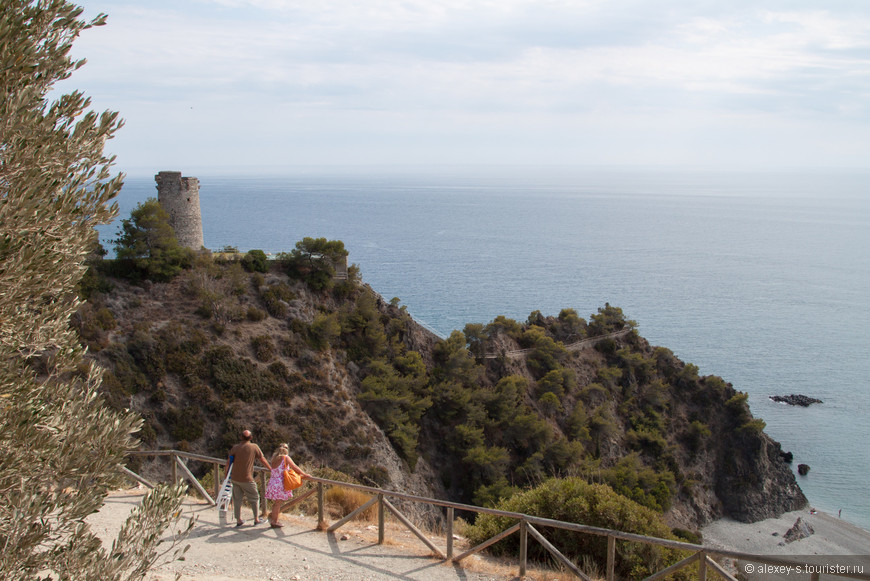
<point>574,500</point>
<point>503,324</point>
<point>569,327</point>
<point>146,246</point>
<point>376,476</point>
<point>697,434</point>
<point>357,452</point>
<point>264,348</point>
<point>755,426</point>
<point>550,404</point>
<point>186,423</point>
<point>642,484</point>
<point>147,434</point>
<point>275,297</point>
<point>279,370</point>
<point>558,382</point>
<point>547,353</point>
<point>693,537</point>
<point>363,334</point>
<point>347,288</point>
<point>491,495</point>
<point>594,394</point>
<point>255,261</point>
<point>393,401</point>
<point>149,354</point>
<point>94,281</point>
<point>602,424</point>
<point>577,424</point>
<point>237,377</point>
<point>255,314</point>
<point>325,330</point>
<point>126,377</point>
<point>608,320</point>
<point>181,363</point>
<point>313,261</point>
<point>651,442</point>
<point>92,324</point>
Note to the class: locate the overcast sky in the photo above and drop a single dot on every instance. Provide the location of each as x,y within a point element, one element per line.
<point>239,84</point>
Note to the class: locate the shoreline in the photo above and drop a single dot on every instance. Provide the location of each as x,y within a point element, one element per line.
<point>831,536</point>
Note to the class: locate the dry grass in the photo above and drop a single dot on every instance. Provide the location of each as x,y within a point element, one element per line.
<point>343,501</point>
<point>338,503</point>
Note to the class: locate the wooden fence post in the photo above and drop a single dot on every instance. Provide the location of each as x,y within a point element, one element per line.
<point>702,567</point>
<point>611,557</point>
<point>321,523</point>
<point>524,547</point>
<point>263,501</point>
<point>449,532</point>
<point>174,470</point>
<point>380,519</point>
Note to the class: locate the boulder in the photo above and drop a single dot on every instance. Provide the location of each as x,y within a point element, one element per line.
<point>803,469</point>
<point>796,399</point>
<point>800,530</point>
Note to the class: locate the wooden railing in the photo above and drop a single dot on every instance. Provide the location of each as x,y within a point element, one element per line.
<point>525,526</point>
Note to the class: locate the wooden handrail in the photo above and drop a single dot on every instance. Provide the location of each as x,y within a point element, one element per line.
<point>701,553</point>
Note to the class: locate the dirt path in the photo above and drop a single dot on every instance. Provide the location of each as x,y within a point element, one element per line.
<point>294,552</point>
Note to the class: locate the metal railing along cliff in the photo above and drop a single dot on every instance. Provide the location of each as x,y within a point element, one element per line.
<point>525,526</point>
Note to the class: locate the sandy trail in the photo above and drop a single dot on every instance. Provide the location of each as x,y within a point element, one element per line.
<point>294,552</point>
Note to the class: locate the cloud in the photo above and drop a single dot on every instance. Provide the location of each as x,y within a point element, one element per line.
<point>471,66</point>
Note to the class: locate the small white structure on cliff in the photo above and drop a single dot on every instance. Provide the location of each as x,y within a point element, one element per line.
<point>179,196</point>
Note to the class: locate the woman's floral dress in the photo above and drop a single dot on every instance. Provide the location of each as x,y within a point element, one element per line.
<point>275,486</point>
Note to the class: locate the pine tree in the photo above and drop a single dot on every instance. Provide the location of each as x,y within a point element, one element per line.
<point>60,448</point>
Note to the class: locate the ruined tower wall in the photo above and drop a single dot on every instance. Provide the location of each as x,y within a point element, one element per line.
<point>179,196</point>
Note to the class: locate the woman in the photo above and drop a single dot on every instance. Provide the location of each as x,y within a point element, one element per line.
<point>275,488</point>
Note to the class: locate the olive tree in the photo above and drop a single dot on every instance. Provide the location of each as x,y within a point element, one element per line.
<point>60,447</point>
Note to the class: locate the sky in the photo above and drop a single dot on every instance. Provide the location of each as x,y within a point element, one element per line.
<point>252,85</point>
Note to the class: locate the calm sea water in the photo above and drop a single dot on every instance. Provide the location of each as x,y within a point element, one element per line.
<point>761,278</point>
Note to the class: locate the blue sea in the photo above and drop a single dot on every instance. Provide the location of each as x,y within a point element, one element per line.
<point>762,278</point>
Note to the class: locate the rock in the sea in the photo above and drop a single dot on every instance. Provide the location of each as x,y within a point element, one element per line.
<point>803,469</point>
<point>787,457</point>
<point>800,530</point>
<point>796,399</point>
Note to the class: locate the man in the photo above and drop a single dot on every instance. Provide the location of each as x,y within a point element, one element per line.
<point>242,457</point>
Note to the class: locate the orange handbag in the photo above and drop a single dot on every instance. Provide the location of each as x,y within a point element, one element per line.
<point>292,480</point>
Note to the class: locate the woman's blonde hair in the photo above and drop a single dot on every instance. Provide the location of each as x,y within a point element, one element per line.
<point>283,450</point>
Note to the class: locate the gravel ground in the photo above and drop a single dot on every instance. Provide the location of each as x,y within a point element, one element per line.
<point>295,552</point>
<point>831,536</point>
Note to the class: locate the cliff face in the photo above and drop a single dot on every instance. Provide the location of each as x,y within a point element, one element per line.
<point>353,384</point>
<point>642,401</point>
<point>755,483</point>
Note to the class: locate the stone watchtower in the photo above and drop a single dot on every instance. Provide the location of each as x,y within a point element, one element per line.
<point>180,198</point>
